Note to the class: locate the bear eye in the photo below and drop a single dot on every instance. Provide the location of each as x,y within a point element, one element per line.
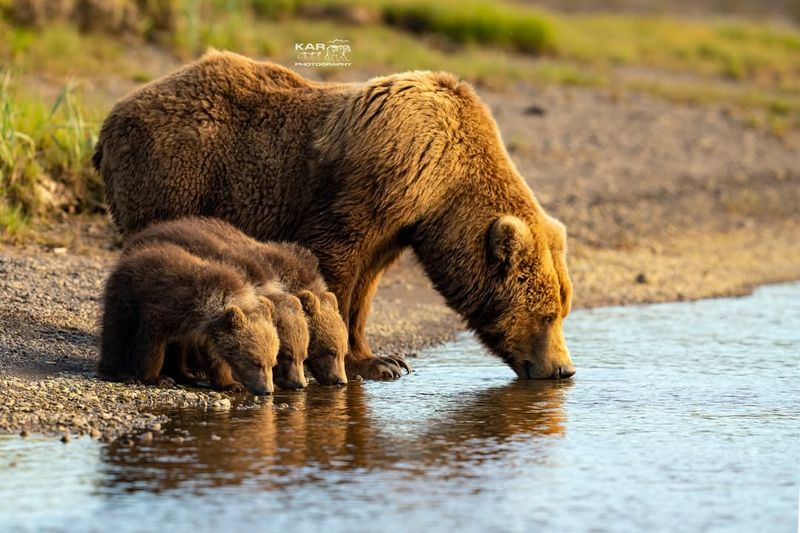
<point>548,319</point>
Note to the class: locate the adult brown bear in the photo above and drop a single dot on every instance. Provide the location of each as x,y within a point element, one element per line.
<point>356,173</point>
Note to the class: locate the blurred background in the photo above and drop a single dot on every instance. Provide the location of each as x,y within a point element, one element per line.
<point>660,129</point>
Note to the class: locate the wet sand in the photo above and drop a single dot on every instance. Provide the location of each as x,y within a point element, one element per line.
<point>662,202</point>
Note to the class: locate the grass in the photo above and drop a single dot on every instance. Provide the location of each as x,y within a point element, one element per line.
<point>14,223</point>
<point>482,23</point>
<point>45,152</point>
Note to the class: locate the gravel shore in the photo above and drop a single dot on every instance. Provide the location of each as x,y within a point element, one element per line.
<point>662,202</point>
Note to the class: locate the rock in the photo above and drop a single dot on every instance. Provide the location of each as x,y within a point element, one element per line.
<point>23,433</point>
<point>65,438</point>
<point>641,278</point>
<point>214,436</point>
<point>535,109</point>
<point>147,436</point>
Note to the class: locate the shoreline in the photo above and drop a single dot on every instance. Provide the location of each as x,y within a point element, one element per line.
<point>48,317</point>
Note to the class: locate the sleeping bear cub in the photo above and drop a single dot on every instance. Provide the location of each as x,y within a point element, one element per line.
<point>159,294</point>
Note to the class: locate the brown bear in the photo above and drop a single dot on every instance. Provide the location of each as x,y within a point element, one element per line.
<point>356,173</point>
<point>162,293</point>
<point>295,269</point>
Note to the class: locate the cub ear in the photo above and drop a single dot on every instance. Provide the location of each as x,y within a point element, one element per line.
<point>507,238</point>
<point>294,303</point>
<point>331,300</point>
<point>266,307</point>
<point>309,301</point>
<point>233,317</point>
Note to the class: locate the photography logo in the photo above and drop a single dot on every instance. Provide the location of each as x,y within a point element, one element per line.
<point>330,54</point>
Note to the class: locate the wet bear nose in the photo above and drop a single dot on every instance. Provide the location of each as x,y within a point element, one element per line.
<point>564,372</point>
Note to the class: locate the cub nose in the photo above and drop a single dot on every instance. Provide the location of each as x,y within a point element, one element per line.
<point>565,372</point>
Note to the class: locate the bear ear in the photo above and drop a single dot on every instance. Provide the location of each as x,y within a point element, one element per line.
<point>233,318</point>
<point>266,307</point>
<point>331,300</point>
<point>507,237</point>
<point>309,301</point>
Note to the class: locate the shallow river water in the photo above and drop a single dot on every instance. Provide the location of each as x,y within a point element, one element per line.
<point>682,417</point>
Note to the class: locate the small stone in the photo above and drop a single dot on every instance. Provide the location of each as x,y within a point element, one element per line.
<point>24,433</point>
<point>177,439</point>
<point>359,378</point>
<point>147,436</point>
<point>95,433</point>
<point>65,438</point>
<point>59,250</point>
<point>534,109</point>
<point>641,278</point>
<point>222,404</point>
<point>214,436</point>
<point>155,426</point>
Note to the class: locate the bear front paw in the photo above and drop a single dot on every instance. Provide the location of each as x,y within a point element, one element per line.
<point>234,387</point>
<point>379,368</point>
<point>160,381</point>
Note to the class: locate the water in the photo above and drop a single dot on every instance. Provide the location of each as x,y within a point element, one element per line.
<point>682,416</point>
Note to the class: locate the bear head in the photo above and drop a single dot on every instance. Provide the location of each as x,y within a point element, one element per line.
<point>328,339</point>
<point>290,321</point>
<point>248,342</point>
<point>528,297</point>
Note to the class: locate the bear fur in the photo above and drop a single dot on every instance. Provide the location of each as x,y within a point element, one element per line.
<point>161,293</point>
<point>356,173</point>
<point>307,318</point>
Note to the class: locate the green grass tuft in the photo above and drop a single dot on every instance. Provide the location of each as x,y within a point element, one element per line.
<point>13,222</point>
<point>475,22</point>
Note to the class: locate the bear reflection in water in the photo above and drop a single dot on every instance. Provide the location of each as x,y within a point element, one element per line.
<point>336,429</point>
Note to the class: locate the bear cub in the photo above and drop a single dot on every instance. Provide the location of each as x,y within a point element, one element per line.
<point>160,294</point>
<point>286,273</point>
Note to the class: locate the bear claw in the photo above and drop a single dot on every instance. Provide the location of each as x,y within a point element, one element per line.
<point>381,368</point>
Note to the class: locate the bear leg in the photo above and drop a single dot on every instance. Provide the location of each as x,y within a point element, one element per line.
<point>221,377</point>
<point>360,360</point>
<point>147,357</point>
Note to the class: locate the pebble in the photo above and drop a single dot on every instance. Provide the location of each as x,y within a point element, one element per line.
<point>147,436</point>
<point>222,404</point>
<point>65,438</point>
